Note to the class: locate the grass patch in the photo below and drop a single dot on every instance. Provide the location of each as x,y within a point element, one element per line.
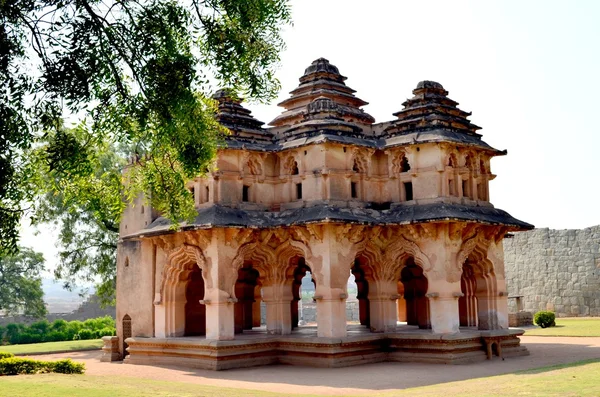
<point>576,379</point>
<point>55,385</point>
<point>569,327</point>
<point>51,347</point>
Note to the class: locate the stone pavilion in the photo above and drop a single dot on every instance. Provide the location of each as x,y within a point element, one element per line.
<point>401,205</point>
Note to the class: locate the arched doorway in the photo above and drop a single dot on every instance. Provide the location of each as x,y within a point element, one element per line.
<point>195,312</point>
<point>415,286</point>
<point>478,306</point>
<point>467,304</point>
<point>362,293</point>
<point>244,308</point>
<point>300,275</point>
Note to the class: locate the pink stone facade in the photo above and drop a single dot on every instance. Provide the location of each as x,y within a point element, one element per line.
<point>402,205</point>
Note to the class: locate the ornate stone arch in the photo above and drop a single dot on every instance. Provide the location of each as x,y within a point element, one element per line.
<point>180,263</point>
<point>400,162</point>
<point>289,165</point>
<point>397,252</point>
<point>452,160</point>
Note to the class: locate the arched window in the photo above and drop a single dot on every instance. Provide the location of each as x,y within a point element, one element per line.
<point>404,165</point>
<point>126,332</point>
<point>294,170</point>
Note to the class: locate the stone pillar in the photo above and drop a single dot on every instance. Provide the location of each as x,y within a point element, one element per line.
<point>337,256</point>
<point>443,298</point>
<point>383,309</point>
<point>256,307</point>
<point>278,298</point>
<point>219,281</point>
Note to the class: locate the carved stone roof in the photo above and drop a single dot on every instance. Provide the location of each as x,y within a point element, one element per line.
<point>431,109</point>
<point>222,216</point>
<point>322,81</point>
<point>243,126</point>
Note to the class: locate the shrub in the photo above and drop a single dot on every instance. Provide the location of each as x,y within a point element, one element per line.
<point>28,337</point>
<point>55,336</point>
<point>59,325</point>
<point>18,365</point>
<point>85,334</point>
<point>107,331</point>
<point>5,355</point>
<point>66,366</point>
<point>544,319</point>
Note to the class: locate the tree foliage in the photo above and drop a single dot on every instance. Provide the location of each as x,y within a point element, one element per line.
<point>134,78</point>
<point>20,284</point>
<point>136,73</point>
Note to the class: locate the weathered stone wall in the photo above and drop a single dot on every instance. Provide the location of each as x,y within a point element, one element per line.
<point>556,270</point>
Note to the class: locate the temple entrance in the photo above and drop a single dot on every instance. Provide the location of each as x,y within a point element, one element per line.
<point>362,293</point>
<point>247,308</point>
<point>303,287</point>
<point>467,304</point>
<point>414,288</point>
<point>478,306</point>
<point>195,312</point>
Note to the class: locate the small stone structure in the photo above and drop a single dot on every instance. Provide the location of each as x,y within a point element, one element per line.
<point>556,270</point>
<point>401,205</point>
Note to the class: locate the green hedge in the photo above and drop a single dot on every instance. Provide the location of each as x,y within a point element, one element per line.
<point>545,319</point>
<point>59,330</point>
<point>18,366</point>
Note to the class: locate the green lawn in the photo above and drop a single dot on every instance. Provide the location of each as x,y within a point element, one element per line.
<point>50,347</point>
<point>577,379</point>
<point>569,327</point>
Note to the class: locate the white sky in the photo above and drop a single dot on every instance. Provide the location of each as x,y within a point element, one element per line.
<point>528,70</point>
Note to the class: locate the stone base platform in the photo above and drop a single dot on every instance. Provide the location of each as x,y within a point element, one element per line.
<point>302,347</point>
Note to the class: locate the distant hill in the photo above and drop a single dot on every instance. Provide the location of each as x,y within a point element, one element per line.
<point>60,300</point>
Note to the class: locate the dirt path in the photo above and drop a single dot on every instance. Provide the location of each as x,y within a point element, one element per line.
<point>364,379</point>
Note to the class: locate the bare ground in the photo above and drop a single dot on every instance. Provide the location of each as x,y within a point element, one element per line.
<point>365,379</point>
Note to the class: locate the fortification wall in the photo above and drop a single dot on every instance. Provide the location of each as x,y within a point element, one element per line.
<point>556,270</point>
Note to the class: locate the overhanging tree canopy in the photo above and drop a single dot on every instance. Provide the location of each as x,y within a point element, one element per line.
<point>135,76</point>
<point>134,73</point>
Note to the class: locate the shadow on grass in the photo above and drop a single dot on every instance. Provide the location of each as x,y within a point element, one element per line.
<point>557,366</point>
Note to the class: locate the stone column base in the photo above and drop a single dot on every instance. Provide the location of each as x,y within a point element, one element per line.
<point>110,350</point>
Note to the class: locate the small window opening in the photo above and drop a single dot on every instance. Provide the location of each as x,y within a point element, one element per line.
<point>126,261</point>
<point>404,165</point>
<point>305,152</point>
<point>207,193</point>
<point>298,191</point>
<point>353,190</point>
<point>481,191</point>
<point>245,193</point>
<point>142,209</point>
<point>465,188</point>
<point>344,149</point>
<point>295,168</point>
<point>408,190</point>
